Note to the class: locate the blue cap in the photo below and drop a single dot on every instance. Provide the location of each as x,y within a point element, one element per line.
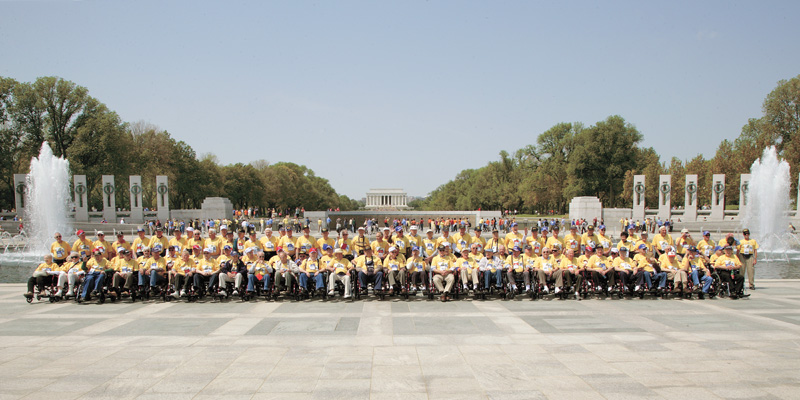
<point>326,247</point>
<point>516,248</point>
<point>601,227</point>
<point>706,233</point>
<point>140,230</point>
<point>227,247</point>
<point>398,229</point>
<point>513,224</point>
<point>631,226</point>
<point>235,253</point>
<point>642,246</point>
<point>415,248</point>
<point>717,248</point>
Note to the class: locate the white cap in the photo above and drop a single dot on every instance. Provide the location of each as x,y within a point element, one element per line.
<point>361,228</point>
<point>429,230</point>
<point>413,227</point>
<point>391,249</point>
<point>221,227</point>
<point>684,230</point>
<point>386,228</point>
<point>100,233</point>
<point>190,229</point>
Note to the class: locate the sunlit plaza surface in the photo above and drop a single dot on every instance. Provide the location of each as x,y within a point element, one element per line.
<point>393,349</point>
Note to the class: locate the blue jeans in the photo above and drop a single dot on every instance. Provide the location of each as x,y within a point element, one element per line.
<point>498,275</point>
<point>141,278</point>
<point>363,279</point>
<point>155,278</point>
<point>318,278</point>
<point>707,280</point>
<point>94,279</point>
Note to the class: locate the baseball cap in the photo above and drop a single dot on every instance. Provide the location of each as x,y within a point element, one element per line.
<point>727,248</point>
<point>590,227</point>
<point>516,248</point>
<point>391,249</point>
<point>513,224</point>
<point>326,247</point>
<point>642,247</point>
<point>746,232</point>
<point>398,229</point>
<point>684,230</point>
<point>413,227</point>
<point>227,247</point>
<point>601,227</point>
<point>338,251</point>
<point>706,233</point>
<point>235,253</point>
<point>361,228</point>
<point>313,250</point>
<point>671,253</point>
<point>196,247</point>
<point>623,248</point>
<point>614,250</point>
<point>137,230</point>
<point>101,233</point>
<point>415,248</point>
<point>80,232</point>
<point>325,230</point>
<point>717,248</point>
<point>223,227</point>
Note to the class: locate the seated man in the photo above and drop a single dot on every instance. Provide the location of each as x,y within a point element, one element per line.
<point>71,273</point>
<point>285,270</point>
<point>419,269</point>
<point>232,271</point>
<point>310,269</point>
<point>646,272</point>
<point>339,271</point>
<point>369,269</point>
<point>443,267</point>
<point>697,270</point>
<point>182,271</point>
<point>258,271</point>
<point>492,267</point>
<point>395,269</point>
<point>95,274</point>
<point>623,265</point>
<point>728,267</point>
<point>544,267</point>
<point>515,268</point>
<point>43,275</point>
<point>674,270</point>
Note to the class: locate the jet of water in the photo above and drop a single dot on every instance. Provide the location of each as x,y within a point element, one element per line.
<point>768,200</point>
<point>47,200</point>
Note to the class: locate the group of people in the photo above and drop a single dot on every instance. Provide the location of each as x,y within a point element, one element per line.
<point>537,261</point>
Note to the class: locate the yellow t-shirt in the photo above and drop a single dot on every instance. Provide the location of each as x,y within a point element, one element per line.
<point>96,266</point>
<point>415,264</point>
<point>536,243</point>
<point>554,243</point>
<point>269,243</point>
<point>380,249</point>
<point>289,244</point>
<point>624,263</point>
<point>208,265</point>
<point>747,247</point>
<point>181,243</point>
<point>341,266</point>
<point>443,263</point>
<point>548,264</point>
<point>83,247</point>
<point>215,245</point>
<point>706,247</point>
<point>117,244</point>
<point>667,262</point>
<point>568,264</point>
<point>103,245</point>
<point>593,240</point>
<point>346,245</point>
<point>309,265</point>
<point>429,245</point>
<point>305,243</point>
<point>513,239</point>
<point>572,242</point>
<point>360,243</point>
<point>493,244</point>
<point>330,242</point>
<point>726,261</point>
<point>47,267</point>
<point>600,262</point>
<point>253,244</point>
<point>604,242</point>
<point>140,243</point>
<point>642,262</point>
<point>518,263</point>
<point>124,265</point>
<point>401,243</point>
<point>393,264</point>
<point>163,241</point>
<point>153,264</point>
<point>681,244</point>
<point>60,250</point>
<point>466,263</point>
<point>662,243</point>
<point>462,241</point>
<point>585,262</point>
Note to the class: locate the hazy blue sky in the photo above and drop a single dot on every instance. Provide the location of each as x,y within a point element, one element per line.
<point>407,93</point>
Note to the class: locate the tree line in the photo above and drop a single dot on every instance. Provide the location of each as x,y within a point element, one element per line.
<point>97,142</point>
<point>571,159</point>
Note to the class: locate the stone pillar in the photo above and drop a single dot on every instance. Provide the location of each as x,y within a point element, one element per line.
<point>690,199</point>
<point>638,197</point>
<point>718,197</point>
<point>664,197</point>
<point>162,198</point>
<point>109,198</point>
<point>137,210</point>
<point>20,186</point>
<point>744,188</point>
<point>81,198</point>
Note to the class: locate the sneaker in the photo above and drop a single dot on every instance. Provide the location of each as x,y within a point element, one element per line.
<point>183,292</point>
<point>636,289</point>
<point>176,295</point>
<point>546,289</point>
<point>599,288</point>
<point>222,293</point>
<point>576,294</point>
<point>558,290</point>
<point>414,289</point>
<point>235,292</point>
<point>330,292</point>
<point>465,287</point>
<point>514,287</point>
<point>70,293</point>
<point>58,293</point>
<point>347,296</point>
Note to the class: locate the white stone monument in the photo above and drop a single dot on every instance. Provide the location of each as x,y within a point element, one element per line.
<point>638,197</point>
<point>386,199</point>
<point>216,208</point>
<point>718,197</point>
<point>137,209</point>
<point>586,207</point>
<point>744,188</point>
<point>81,198</point>
<point>690,199</point>
<point>664,197</point>
<point>162,197</point>
<point>19,194</point>
<point>109,198</point>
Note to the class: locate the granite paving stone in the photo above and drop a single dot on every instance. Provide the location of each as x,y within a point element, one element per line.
<point>397,349</point>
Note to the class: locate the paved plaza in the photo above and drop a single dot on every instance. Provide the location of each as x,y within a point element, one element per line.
<point>521,349</point>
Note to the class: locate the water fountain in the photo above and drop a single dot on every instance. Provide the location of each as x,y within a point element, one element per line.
<point>46,199</point>
<point>768,205</point>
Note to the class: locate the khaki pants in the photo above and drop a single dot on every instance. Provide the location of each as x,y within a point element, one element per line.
<point>748,268</point>
<point>526,277</point>
<point>562,274</point>
<point>395,276</point>
<point>465,277</point>
<point>344,278</point>
<point>437,280</point>
<point>283,280</point>
<point>224,279</point>
<point>677,277</point>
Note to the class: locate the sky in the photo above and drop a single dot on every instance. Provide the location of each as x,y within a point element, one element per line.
<point>405,94</point>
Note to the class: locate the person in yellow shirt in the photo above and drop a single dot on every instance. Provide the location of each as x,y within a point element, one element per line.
<point>662,241</point>
<point>623,265</point>
<point>414,239</point>
<point>126,273</point>
<point>632,236</point>
<point>370,269</point>
<point>568,271</point>
<point>360,242</point>
<point>748,252</point>
<point>514,238</point>
<point>572,240</point>
<point>494,242</point>
<point>339,271</point>
<point>269,243</point>
<point>380,247</point>
<point>401,242</point>
<point>706,246</point>
<point>462,240</point>
<point>728,267</point>
<point>645,271</point>
<point>344,243</point>
<point>159,238</point>
<point>419,269</point>
<point>693,262</point>
<point>103,245</point>
<point>554,242</point>
<point>120,242</point>
<point>515,268</point>
<point>476,238</point>
<point>178,241</point>
<point>325,239</point>
<point>674,271</point>
<point>310,269</point>
<point>535,242</point>
<point>443,267</point>
<point>214,243</point>
<point>544,267</point>
<point>428,246</point>
<point>141,242</point>
<point>82,245</point>
<point>601,268</point>
<point>195,239</point>
<point>643,240</point>
<point>155,269</point>
<point>207,268</point>
<point>288,243</point>
<point>445,238</point>
<point>590,238</point>
<point>43,275</point>
<point>305,242</point>
<point>395,270</point>
<point>604,244</point>
<point>59,249</point>
<point>95,274</point>
<point>254,244</point>
<point>467,267</point>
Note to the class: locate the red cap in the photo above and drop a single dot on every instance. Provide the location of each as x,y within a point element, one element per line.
<point>80,232</point>
<point>195,247</point>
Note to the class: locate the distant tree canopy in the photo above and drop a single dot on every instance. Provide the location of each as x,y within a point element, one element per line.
<point>96,142</point>
<point>571,160</point>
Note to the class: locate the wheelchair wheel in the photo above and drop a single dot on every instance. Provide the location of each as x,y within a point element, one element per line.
<point>102,298</point>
